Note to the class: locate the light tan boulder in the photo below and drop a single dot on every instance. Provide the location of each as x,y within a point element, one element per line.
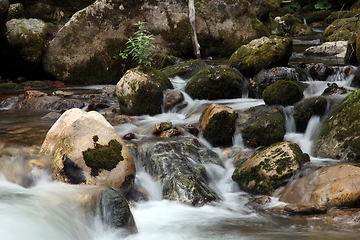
<point>334,186</point>
<point>85,149</point>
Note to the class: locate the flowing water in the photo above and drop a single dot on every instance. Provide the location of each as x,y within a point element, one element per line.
<point>34,207</point>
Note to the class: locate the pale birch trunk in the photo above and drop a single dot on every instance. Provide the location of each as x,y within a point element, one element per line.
<point>195,43</point>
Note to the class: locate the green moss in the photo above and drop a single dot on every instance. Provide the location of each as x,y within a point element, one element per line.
<point>342,123</point>
<point>8,87</point>
<point>35,84</point>
<point>219,82</point>
<point>220,129</point>
<point>148,98</point>
<point>103,156</point>
<point>250,60</point>
<point>283,92</point>
<point>265,126</point>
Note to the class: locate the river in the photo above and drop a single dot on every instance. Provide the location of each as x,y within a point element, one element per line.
<point>46,209</point>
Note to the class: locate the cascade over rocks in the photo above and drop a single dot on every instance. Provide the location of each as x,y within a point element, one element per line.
<point>178,165</point>
<point>335,186</point>
<point>85,149</point>
<point>306,108</point>
<point>140,91</point>
<point>262,125</point>
<point>269,168</point>
<point>340,131</point>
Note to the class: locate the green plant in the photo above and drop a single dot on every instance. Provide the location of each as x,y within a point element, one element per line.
<point>140,48</point>
<point>323,4</point>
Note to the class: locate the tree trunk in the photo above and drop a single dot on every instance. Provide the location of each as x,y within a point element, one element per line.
<point>195,42</point>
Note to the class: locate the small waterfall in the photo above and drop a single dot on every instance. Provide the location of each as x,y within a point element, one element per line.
<point>304,20</point>
<point>289,119</point>
<point>311,130</point>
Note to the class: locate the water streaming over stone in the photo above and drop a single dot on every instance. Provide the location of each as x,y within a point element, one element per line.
<point>46,210</point>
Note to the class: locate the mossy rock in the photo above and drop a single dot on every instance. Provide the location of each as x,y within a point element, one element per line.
<point>301,29</point>
<point>340,30</point>
<point>266,77</point>
<point>185,70</point>
<point>283,92</point>
<point>261,54</point>
<point>140,91</point>
<point>160,61</point>
<point>10,87</point>
<point>103,156</point>
<point>269,168</point>
<point>306,108</point>
<point>262,125</point>
<point>36,84</point>
<point>339,134</point>
<point>218,82</point>
<point>218,123</point>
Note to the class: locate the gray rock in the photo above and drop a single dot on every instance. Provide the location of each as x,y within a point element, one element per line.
<point>178,165</point>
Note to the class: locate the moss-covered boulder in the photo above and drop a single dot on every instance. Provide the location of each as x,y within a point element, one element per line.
<point>283,92</point>
<point>84,148</point>
<point>217,123</point>
<point>262,53</point>
<point>140,91</point>
<point>266,77</point>
<point>186,69</point>
<point>270,168</point>
<point>340,131</point>
<point>10,87</point>
<point>293,26</point>
<point>306,108</point>
<point>182,180</point>
<point>340,30</point>
<point>23,47</point>
<point>16,10</point>
<point>262,125</point>
<point>335,186</point>
<point>218,82</point>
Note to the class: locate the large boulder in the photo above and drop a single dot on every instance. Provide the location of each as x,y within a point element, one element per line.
<point>23,46</point>
<point>84,148</point>
<point>283,92</point>
<point>262,53</point>
<point>336,48</point>
<point>340,130</point>
<point>179,166</point>
<point>335,186</point>
<point>269,168</point>
<point>83,49</point>
<point>218,82</point>
<point>140,91</point>
<point>217,124</point>
<point>262,125</point>
<point>341,29</point>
